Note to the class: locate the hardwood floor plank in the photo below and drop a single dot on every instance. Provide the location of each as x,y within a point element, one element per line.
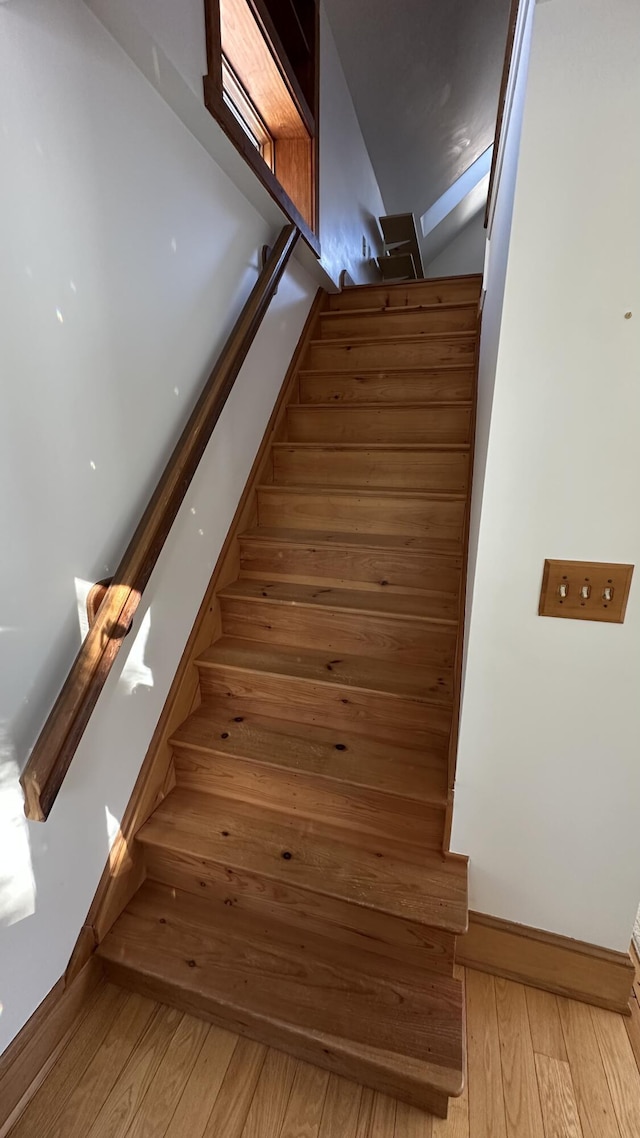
<point>557,1098</point>
<point>544,1021</point>
<point>383,1117</point>
<point>412,1123</point>
<point>306,1102</point>
<point>126,1096</point>
<point>456,1124</point>
<point>50,1099</point>
<point>269,1103</point>
<point>632,1025</point>
<point>595,1106</point>
<point>621,1070</point>
<point>341,1109</point>
<point>165,1089</point>
<point>365,1112</point>
<point>522,1102</point>
<point>204,1082</point>
<point>237,1090</point>
<point>486,1096</point>
<point>105,1068</point>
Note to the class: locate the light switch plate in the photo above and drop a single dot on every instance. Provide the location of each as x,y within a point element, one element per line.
<point>585,590</point>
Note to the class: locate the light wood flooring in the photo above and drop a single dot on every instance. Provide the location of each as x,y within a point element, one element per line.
<point>538,1067</point>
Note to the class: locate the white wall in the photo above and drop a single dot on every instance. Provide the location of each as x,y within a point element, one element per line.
<point>350,200</point>
<point>126,255</point>
<point>465,254</point>
<point>548,775</point>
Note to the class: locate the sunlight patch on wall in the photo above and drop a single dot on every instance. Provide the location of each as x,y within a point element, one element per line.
<point>17,883</point>
<point>135,673</point>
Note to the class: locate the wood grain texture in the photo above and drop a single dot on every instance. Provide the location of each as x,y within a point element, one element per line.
<point>269,1103</point>
<point>438,290</point>
<point>166,1087</point>
<point>398,423</point>
<point>391,385</point>
<point>546,960</point>
<point>423,515</point>
<point>593,1098</point>
<point>414,466</point>
<point>620,1068</point>
<point>105,1069</point>
<point>397,626</point>
<point>456,317</point>
<point>436,350</point>
<point>486,1103</point>
<point>557,1098</point>
<point>379,562</point>
<point>341,1109</point>
<point>217,1094</point>
<point>521,1098</point>
<point>234,1099</point>
<point>372,812</point>
<point>414,884</point>
<point>306,1102</point>
<point>544,1021</point>
<point>201,1089</point>
<point>139,1072</point>
<point>412,1123</point>
<point>29,1056</point>
<point>88,1032</point>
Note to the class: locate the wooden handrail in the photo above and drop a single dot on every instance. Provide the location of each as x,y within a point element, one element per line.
<point>502,99</point>
<point>49,761</point>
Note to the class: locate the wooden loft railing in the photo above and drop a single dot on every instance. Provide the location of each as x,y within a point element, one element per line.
<point>49,761</point>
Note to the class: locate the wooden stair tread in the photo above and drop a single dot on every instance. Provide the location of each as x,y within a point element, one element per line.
<point>419,448</point>
<point>432,607</point>
<point>388,369</point>
<point>381,408</point>
<point>386,492</point>
<point>404,542</point>
<point>381,309</point>
<point>330,753</point>
<point>420,684</point>
<point>420,885</point>
<point>468,335</point>
<point>409,1023</point>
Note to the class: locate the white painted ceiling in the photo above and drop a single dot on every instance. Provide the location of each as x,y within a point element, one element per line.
<point>424,76</point>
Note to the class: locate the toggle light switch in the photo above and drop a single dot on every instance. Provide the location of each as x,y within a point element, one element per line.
<point>585,590</point>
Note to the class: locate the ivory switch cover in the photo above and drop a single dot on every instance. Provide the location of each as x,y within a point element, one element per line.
<point>585,590</point>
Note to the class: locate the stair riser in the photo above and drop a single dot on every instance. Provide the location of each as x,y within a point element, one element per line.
<point>410,323</point>
<point>344,923</point>
<point>445,349</point>
<point>385,638</point>
<point>400,570</point>
<point>352,513</point>
<point>446,471</point>
<point>312,797</point>
<point>281,1036</point>
<point>390,387</point>
<point>305,701</point>
<point>308,424</point>
<point>453,290</point>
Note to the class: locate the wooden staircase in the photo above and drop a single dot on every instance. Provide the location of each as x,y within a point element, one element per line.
<point>298,885</point>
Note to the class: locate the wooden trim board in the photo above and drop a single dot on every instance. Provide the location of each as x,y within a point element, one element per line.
<point>547,960</point>
<point>29,1057</point>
